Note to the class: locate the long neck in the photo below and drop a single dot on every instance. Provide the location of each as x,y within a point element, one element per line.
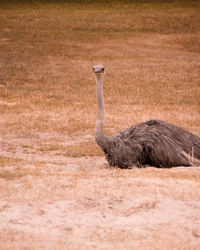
<point>99,133</point>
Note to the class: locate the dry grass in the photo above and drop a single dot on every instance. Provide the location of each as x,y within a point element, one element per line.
<point>50,166</point>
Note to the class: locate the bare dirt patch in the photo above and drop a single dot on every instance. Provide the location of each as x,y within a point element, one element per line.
<point>84,204</point>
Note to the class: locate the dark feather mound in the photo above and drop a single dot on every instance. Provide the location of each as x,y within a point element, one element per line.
<point>155,143</point>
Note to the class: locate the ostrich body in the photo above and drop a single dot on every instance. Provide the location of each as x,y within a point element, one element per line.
<point>154,142</point>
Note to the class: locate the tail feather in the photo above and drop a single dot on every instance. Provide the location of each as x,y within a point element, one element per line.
<point>192,160</point>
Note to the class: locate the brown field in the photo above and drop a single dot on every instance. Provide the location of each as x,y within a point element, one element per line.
<point>56,188</point>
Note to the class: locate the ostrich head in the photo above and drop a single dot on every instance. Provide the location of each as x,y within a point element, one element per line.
<point>98,69</point>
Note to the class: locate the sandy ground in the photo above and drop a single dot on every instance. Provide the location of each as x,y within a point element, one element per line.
<point>81,203</point>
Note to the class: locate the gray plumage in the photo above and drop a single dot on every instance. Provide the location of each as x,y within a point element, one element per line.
<point>155,143</point>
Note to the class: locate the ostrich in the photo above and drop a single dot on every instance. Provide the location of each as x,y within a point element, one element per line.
<point>154,142</point>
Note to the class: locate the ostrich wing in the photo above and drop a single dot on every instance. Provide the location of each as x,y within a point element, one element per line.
<point>158,143</point>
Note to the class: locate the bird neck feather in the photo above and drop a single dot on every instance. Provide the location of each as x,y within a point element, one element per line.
<point>99,133</point>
